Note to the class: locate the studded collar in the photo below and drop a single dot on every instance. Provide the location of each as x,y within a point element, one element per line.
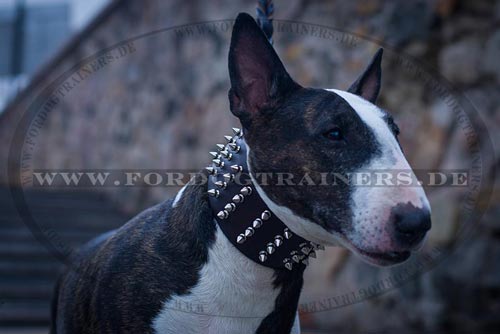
<point>244,217</point>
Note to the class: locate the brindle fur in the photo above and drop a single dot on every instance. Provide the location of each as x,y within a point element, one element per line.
<point>118,282</point>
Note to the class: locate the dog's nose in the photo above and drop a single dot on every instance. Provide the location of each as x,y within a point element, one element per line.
<point>410,223</point>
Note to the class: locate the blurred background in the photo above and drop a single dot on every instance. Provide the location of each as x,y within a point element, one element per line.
<point>163,104</point>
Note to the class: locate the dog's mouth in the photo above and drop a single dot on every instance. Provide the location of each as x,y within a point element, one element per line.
<point>381,259</point>
<point>384,259</point>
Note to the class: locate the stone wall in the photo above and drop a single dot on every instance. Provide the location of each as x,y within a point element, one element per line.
<point>160,101</point>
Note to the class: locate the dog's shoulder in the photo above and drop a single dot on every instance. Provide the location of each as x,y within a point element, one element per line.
<point>135,268</point>
<point>150,220</point>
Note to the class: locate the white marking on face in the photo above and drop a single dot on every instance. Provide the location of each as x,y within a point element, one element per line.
<point>230,284</point>
<point>372,116</point>
<point>372,205</point>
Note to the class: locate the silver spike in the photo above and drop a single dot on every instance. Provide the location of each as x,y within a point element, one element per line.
<point>288,264</point>
<point>313,245</point>
<point>287,233</point>
<point>265,215</point>
<point>218,162</point>
<point>221,184</point>
<point>213,192</point>
<point>215,155</point>
<point>237,131</point>
<point>249,232</point>
<point>238,198</point>
<point>305,261</point>
<point>262,256</point>
<point>228,177</point>
<point>295,256</point>
<point>236,168</point>
<point>306,250</point>
<point>235,148</point>
<point>312,254</point>
<point>221,147</point>
<point>211,170</point>
<point>270,248</point>
<point>223,214</point>
<point>241,238</point>
<point>278,240</point>
<point>226,154</point>
<point>230,207</point>
<point>246,191</point>
<point>229,139</point>
<point>257,223</point>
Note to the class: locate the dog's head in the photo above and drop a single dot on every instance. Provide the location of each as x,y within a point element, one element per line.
<point>289,128</point>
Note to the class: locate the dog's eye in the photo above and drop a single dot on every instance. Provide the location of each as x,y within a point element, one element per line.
<point>334,134</point>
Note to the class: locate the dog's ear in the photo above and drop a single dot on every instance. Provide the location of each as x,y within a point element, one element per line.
<point>368,84</point>
<point>258,78</point>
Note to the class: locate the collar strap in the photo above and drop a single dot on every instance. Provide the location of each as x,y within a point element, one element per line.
<point>244,217</point>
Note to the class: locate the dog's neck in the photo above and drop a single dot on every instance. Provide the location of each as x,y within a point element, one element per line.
<point>243,216</point>
<point>232,292</point>
<point>250,294</point>
<point>237,286</point>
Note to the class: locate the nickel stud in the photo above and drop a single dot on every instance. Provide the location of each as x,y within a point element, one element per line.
<point>221,184</point>
<point>223,214</point>
<point>270,248</point>
<point>257,223</point>
<point>238,198</point>
<point>246,191</point>
<point>241,238</point>
<point>213,192</point>
<point>249,232</point>
<point>295,256</point>
<point>235,148</point>
<point>211,170</point>
<point>237,132</point>
<point>226,154</point>
<point>218,162</point>
<point>228,177</point>
<point>278,240</point>
<point>288,264</point>
<point>265,215</point>
<point>230,207</point>
<point>236,168</point>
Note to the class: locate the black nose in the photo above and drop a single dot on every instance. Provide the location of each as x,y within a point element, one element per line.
<point>410,223</point>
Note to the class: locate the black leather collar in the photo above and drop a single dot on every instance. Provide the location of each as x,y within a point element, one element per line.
<point>243,216</point>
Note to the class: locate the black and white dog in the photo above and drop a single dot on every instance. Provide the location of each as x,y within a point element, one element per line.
<point>213,260</point>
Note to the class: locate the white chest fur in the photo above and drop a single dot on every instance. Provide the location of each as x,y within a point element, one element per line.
<point>233,295</point>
